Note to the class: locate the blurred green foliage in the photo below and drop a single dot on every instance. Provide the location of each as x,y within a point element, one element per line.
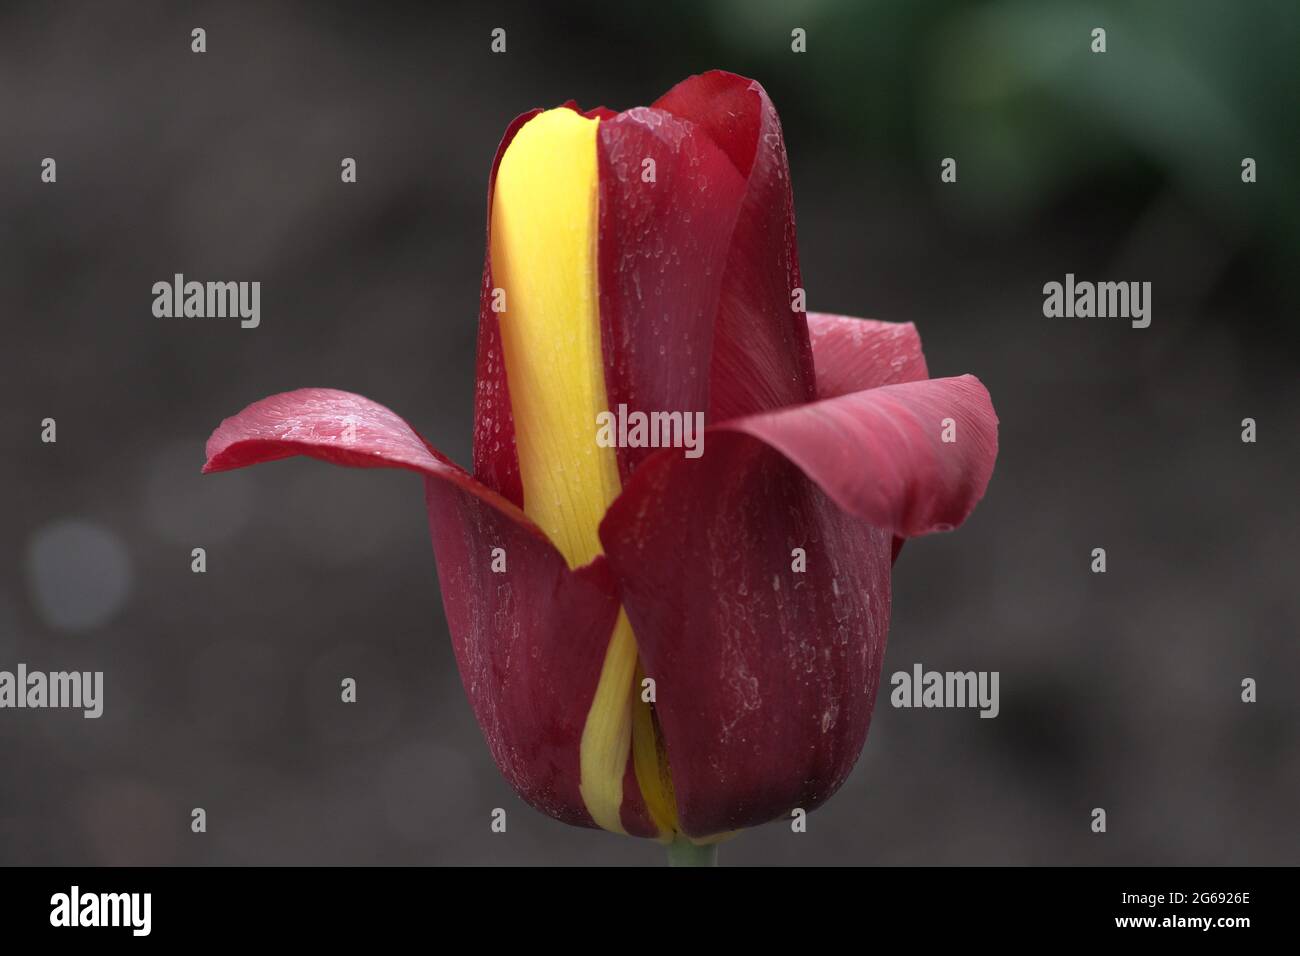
<point>1185,90</point>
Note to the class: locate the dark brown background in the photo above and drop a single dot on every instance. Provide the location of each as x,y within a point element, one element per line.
<point>1118,690</point>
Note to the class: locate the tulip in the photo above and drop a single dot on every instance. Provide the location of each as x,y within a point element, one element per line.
<point>654,643</point>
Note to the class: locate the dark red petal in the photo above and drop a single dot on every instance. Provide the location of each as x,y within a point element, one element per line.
<point>880,454</point>
<point>496,460</point>
<point>766,676</point>
<point>529,642</point>
<point>761,355</point>
<point>663,247</point>
<point>851,355</point>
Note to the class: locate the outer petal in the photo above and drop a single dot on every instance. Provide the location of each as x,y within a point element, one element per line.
<point>528,642</point>
<point>663,249</point>
<point>766,676</point>
<point>881,454</point>
<point>851,355</point>
<point>761,355</point>
<point>855,354</point>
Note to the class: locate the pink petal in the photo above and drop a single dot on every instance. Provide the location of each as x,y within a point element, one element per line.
<point>856,354</point>
<point>851,355</point>
<point>880,453</point>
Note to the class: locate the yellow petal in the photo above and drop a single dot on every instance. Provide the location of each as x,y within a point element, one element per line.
<point>544,255</point>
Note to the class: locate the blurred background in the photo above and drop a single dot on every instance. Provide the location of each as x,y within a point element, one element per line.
<point>1119,690</point>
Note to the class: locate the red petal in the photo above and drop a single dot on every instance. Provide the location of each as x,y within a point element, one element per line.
<point>765,676</point>
<point>663,245</point>
<point>761,355</point>
<point>596,112</point>
<point>855,354</point>
<point>880,454</point>
<point>529,642</point>
<point>496,460</point>
<point>851,355</point>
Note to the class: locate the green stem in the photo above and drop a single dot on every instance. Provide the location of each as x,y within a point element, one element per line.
<point>682,852</point>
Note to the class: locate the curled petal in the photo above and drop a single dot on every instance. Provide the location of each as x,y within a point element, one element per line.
<point>528,634</point>
<point>851,355</point>
<point>334,426</point>
<point>911,458</point>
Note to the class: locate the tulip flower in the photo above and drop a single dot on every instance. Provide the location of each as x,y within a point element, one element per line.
<point>655,643</point>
